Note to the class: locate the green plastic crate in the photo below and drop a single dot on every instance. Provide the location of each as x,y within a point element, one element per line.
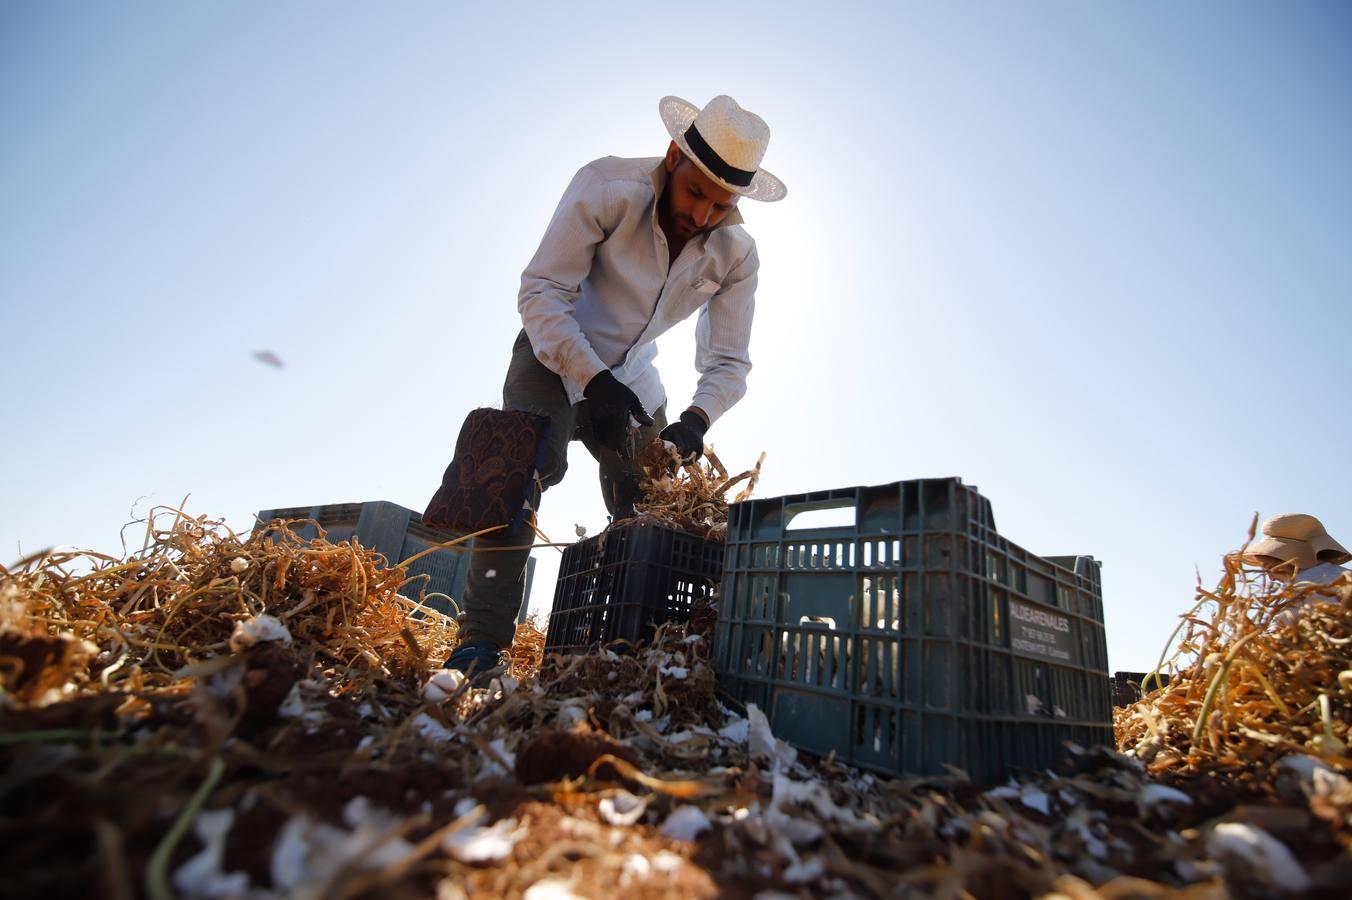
<point>912,636</point>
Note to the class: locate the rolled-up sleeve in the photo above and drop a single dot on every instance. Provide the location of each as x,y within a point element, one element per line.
<point>552,281</point>
<point>722,340</point>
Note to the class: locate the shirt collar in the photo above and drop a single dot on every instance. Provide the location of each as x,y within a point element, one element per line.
<point>659,179</point>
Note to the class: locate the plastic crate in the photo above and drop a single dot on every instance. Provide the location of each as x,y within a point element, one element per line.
<point>398,533</point>
<point>1127,686</point>
<point>626,581</point>
<point>913,637</point>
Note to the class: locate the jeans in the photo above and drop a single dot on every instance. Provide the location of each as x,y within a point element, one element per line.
<point>497,577</point>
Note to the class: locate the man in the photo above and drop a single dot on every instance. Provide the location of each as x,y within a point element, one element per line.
<point>635,246</point>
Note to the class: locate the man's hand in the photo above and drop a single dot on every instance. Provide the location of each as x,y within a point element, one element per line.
<point>610,405</point>
<point>688,435</point>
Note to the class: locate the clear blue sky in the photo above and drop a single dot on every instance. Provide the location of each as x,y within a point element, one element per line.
<point>1092,258</point>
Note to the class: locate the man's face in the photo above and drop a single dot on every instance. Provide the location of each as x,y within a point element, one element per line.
<point>692,203</point>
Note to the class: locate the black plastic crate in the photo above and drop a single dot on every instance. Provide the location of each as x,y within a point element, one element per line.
<point>626,581</point>
<point>1127,686</point>
<point>914,636</point>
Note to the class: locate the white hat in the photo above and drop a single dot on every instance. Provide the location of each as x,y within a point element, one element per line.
<point>1298,538</point>
<point>726,142</point>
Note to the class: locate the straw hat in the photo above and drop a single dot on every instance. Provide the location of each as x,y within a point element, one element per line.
<point>1299,538</point>
<point>726,142</point>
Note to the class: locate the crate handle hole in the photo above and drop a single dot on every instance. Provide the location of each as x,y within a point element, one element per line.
<point>818,621</point>
<point>815,518</point>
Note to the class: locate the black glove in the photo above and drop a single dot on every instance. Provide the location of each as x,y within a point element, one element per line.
<point>687,435</point>
<point>610,405</point>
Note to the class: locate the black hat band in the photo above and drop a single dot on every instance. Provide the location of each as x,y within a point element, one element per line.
<point>713,162</point>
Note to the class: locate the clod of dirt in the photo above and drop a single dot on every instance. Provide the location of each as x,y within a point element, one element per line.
<point>97,712</point>
<point>272,668</point>
<point>553,755</point>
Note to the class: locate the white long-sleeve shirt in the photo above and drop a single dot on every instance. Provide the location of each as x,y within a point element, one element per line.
<point>1318,574</point>
<point>599,291</point>
<point>1321,573</point>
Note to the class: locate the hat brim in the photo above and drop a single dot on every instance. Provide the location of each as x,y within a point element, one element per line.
<point>677,114</point>
<point>1330,551</point>
<point>1285,549</point>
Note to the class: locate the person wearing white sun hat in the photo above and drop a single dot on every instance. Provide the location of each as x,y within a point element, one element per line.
<point>1295,547</point>
<point>634,247</point>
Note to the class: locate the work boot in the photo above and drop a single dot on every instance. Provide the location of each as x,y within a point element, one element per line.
<point>479,660</point>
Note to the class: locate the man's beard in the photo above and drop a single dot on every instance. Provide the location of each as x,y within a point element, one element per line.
<point>683,226</point>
